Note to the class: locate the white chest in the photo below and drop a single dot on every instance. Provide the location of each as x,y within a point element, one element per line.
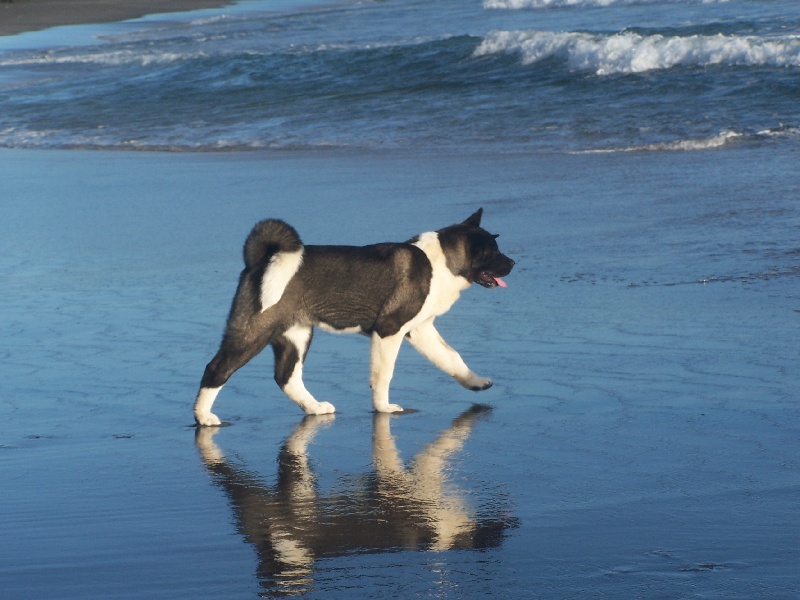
<point>445,287</point>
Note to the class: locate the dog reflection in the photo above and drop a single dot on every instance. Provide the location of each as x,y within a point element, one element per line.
<point>394,507</point>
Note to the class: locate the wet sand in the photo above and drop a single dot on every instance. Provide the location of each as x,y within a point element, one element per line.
<point>641,438</point>
<point>17,16</point>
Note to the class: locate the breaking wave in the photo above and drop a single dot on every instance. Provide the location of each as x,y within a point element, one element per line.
<point>630,52</point>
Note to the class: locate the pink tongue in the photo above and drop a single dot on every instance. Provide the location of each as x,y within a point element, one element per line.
<point>500,282</point>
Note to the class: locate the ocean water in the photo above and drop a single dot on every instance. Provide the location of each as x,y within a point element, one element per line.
<point>639,160</point>
<point>497,75</point>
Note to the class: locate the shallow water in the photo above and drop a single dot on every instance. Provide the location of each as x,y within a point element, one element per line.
<point>643,433</point>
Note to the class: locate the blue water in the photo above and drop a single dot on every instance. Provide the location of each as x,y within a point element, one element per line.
<point>637,158</point>
<point>497,75</point>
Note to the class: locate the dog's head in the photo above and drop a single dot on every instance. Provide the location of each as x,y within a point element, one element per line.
<point>472,252</point>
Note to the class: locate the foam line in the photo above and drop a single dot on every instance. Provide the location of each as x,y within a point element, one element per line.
<point>630,52</point>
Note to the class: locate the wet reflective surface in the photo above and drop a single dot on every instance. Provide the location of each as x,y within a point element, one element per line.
<point>394,506</point>
<point>643,438</point>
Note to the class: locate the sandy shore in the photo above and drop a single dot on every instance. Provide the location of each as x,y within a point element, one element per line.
<point>18,16</point>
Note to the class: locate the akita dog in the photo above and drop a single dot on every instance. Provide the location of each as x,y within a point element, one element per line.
<point>388,291</point>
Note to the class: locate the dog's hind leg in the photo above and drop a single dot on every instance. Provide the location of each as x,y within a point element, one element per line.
<point>427,341</point>
<point>383,355</point>
<point>202,407</point>
<point>229,358</point>
<point>290,351</point>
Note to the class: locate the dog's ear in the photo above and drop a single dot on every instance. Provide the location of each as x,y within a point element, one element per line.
<point>474,219</point>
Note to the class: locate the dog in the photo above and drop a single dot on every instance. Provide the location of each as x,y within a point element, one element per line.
<point>387,291</point>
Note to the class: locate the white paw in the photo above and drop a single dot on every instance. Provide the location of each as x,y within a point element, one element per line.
<point>389,408</point>
<point>477,384</point>
<point>207,420</point>
<point>320,408</point>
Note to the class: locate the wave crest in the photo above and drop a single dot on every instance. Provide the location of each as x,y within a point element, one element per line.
<point>630,52</point>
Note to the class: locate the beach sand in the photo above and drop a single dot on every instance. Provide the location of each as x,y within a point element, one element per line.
<point>17,16</point>
<point>643,437</point>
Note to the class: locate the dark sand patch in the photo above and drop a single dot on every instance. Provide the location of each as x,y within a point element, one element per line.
<point>18,16</point>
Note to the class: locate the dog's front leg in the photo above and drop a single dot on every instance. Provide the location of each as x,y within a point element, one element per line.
<point>383,355</point>
<point>427,341</point>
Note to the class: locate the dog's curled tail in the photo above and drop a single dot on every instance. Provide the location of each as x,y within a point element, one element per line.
<point>273,252</point>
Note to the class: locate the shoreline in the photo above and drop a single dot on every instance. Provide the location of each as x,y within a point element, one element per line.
<point>21,16</point>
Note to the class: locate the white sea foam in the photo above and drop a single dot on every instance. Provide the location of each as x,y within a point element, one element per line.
<point>209,20</point>
<point>710,143</point>
<point>113,58</point>
<point>630,52</point>
<point>526,4</point>
<point>781,132</point>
